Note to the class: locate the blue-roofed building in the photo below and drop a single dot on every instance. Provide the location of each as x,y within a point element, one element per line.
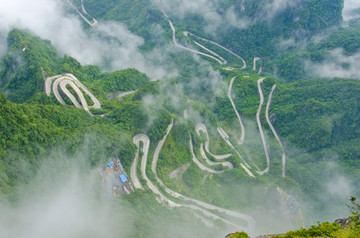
<point>114,179</point>
<point>110,164</point>
<point>123,178</point>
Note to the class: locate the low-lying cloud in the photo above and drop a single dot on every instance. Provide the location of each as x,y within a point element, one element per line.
<point>62,201</point>
<point>207,9</point>
<point>336,65</point>
<point>272,8</point>
<point>66,199</point>
<point>49,20</point>
<point>351,9</point>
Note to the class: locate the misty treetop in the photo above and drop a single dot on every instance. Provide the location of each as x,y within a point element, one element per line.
<point>30,60</point>
<point>317,119</point>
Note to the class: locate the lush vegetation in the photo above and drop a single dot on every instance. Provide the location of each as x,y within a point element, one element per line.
<point>238,235</point>
<point>31,59</point>
<point>21,74</point>
<point>345,228</point>
<point>300,19</point>
<point>325,229</point>
<point>31,130</point>
<point>291,63</point>
<point>318,120</point>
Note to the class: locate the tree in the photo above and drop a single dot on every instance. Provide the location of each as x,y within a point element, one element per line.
<point>355,210</point>
<point>238,235</point>
<point>2,98</point>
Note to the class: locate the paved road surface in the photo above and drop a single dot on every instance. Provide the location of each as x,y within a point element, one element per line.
<point>198,163</point>
<point>255,60</point>
<point>274,131</point>
<point>48,83</point>
<point>124,94</point>
<point>68,79</point>
<point>222,47</point>
<point>210,51</point>
<point>251,222</point>
<point>63,84</point>
<point>133,172</point>
<point>159,146</point>
<point>217,57</point>
<point>201,127</point>
<point>203,154</point>
<point>244,164</point>
<point>55,89</point>
<point>83,8</point>
<point>185,48</point>
<point>146,143</point>
<point>254,66</point>
<point>242,137</point>
<point>94,21</point>
<point>266,149</point>
<point>96,102</point>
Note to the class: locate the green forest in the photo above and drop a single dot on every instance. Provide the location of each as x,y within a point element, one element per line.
<point>317,119</point>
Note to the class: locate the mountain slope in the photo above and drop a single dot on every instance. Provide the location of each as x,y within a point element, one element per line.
<point>285,141</point>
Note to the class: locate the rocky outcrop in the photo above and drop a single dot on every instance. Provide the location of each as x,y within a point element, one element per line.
<point>344,222</point>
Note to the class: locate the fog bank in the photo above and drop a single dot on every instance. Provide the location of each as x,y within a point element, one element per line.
<point>108,44</point>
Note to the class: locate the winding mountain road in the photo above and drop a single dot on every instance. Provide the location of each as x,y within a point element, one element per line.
<point>124,94</point>
<point>274,131</point>
<point>158,148</point>
<point>185,48</point>
<point>201,127</point>
<point>198,163</point>
<point>146,143</point>
<point>255,60</point>
<point>243,164</point>
<point>94,21</point>
<point>48,83</point>
<point>258,113</point>
<point>266,149</point>
<point>250,221</point>
<point>61,81</point>
<point>63,84</point>
<point>203,154</point>
<point>214,55</point>
<point>210,51</point>
<point>55,89</point>
<point>83,8</point>
<point>242,137</point>
<point>133,171</point>
<point>254,66</point>
<point>96,102</point>
<point>217,44</point>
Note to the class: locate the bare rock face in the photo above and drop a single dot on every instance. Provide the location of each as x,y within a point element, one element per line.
<point>344,222</point>
<point>268,236</point>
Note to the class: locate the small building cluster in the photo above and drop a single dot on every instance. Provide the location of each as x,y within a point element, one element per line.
<point>114,179</point>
